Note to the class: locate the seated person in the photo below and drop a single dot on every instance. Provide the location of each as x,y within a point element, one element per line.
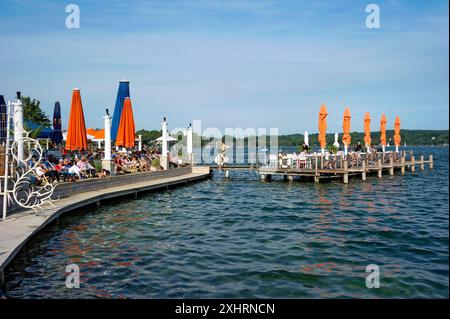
<point>173,161</point>
<point>85,167</point>
<point>42,171</point>
<point>144,164</point>
<point>118,165</point>
<point>301,162</point>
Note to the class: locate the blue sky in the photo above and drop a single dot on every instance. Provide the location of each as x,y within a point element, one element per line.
<point>233,63</point>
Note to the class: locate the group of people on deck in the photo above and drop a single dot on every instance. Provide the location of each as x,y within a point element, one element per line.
<point>71,167</point>
<point>355,155</point>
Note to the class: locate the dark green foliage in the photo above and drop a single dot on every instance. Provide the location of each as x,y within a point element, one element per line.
<point>411,137</point>
<point>148,136</point>
<point>32,111</point>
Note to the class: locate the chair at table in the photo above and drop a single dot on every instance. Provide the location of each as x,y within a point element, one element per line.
<point>273,160</point>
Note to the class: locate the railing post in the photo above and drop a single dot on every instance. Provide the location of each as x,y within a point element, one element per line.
<point>431,161</point>
<point>380,168</point>
<point>413,163</point>
<point>363,175</point>
<point>316,175</point>
<point>321,161</point>
<point>403,163</point>
<point>345,172</point>
<point>422,165</point>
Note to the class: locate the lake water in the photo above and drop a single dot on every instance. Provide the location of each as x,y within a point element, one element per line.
<point>243,238</point>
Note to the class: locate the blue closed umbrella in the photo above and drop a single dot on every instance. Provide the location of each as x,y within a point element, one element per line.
<point>57,135</point>
<point>122,93</point>
<point>3,119</point>
<point>44,132</point>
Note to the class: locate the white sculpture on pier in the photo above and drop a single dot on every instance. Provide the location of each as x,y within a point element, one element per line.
<point>306,138</point>
<point>336,143</point>
<point>221,158</point>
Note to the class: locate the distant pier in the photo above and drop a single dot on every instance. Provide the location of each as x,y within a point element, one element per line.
<point>320,167</point>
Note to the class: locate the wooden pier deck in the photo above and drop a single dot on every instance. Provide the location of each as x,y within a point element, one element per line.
<point>320,167</point>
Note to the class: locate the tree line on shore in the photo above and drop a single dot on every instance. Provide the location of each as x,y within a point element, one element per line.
<point>410,137</point>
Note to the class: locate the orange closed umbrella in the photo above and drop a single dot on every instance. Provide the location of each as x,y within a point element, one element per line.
<point>346,138</point>
<point>397,137</point>
<point>323,126</point>
<point>126,131</point>
<point>367,138</point>
<point>76,131</point>
<point>383,122</point>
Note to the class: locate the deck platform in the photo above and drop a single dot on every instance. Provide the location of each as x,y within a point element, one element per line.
<point>342,167</point>
<point>319,167</point>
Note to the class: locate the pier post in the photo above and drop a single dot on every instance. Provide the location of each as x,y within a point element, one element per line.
<point>345,172</point>
<point>290,178</point>
<point>413,163</point>
<point>422,165</point>
<point>263,177</point>
<point>391,166</point>
<point>227,173</point>
<point>363,175</point>
<point>380,168</point>
<point>431,161</point>
<point>269,177</point>
<point>403,163</point>
<point>316,175</point>
<point>315,164</point>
